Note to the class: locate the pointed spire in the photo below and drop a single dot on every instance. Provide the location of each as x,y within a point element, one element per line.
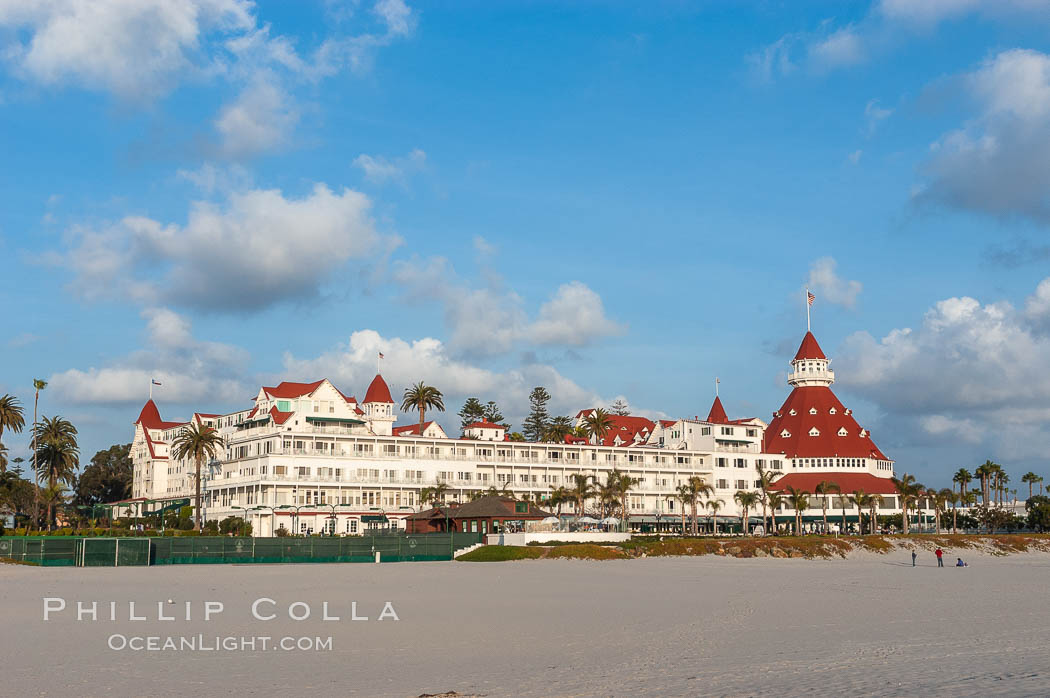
<point>809,349</point>
<point>717,415</point>
<point>378,391</point>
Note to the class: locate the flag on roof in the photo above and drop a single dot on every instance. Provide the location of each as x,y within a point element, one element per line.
<point>381,355</point>
<point>810,297</point>
<point>155,381</point>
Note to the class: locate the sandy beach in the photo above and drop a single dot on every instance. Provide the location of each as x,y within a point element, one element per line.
<point>868,625</point>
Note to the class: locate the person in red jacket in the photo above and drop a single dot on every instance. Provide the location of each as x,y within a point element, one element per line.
<point>940,557</point>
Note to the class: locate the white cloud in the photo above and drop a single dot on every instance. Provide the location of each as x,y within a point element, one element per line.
<point>134,49</point>
<point>999,162</point>
<point>260,119</point>
<point>874,115</point>
<point>379,169</point>
<point>352,366</point>
<point>191,371</point>
<point>843,47</point>
<point>774,59</point>
<point>492,320</point>
<point>972,372</point>
<point>259,249</point>
<point>574,316</point>
<point>927,13</point>
<point>397,16</point>
<point>854,157</point>
<point>828,286</point>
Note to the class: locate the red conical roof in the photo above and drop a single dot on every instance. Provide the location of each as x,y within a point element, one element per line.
<point>809,349</point>
<point>837,432</point>
<point>149,417</point>
<point>717,415</point>
<point>378,391</point>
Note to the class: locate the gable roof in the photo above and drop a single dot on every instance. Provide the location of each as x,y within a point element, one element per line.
<point>378,391</point>
<point>485,425</point>
<point>411,429</point>
<point>799,444</point>
<point>149,417</point>
<point>809,349</point>
<point>495,505</point>
<point>848,482</point>
<point>287,389</point>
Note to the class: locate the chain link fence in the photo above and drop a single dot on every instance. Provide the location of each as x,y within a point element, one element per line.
<point>173,550</point>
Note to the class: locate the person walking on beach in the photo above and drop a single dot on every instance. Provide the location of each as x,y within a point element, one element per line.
<point>913,556</point>
<point>940,557</point>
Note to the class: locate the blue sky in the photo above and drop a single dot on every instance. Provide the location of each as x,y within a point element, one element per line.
<point>608,199</point>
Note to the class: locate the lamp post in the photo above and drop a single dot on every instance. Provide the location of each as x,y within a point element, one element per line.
<point>244,513</point>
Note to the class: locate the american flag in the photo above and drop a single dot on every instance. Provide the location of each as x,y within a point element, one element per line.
<point>155,381</point>
<point>381,355</point>
<point>810,297</point>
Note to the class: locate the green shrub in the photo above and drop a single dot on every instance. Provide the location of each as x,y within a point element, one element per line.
<point>190,533</point>
<point>502,553</point>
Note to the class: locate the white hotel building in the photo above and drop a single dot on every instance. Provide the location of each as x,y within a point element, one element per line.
<point>306,456</point>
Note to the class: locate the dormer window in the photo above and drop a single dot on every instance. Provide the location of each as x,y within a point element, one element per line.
<point>812,410</point>
<point>843,432</point>
<point>792,413</point>
<point>814,432</point>
<point>832,411</point>
<point>863,433</point>
<point>785,434</point>
<point>849,411</point>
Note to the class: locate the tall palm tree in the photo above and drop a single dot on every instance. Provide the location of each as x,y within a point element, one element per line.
<point>558,429</point>
<point>747,501</point>
<point>1030,478</point>
<point>862,499</point>
<point>558,496</point>
<point>1002,479</point>
<point>57,455</point>
<point>683,495</point>
<point>696,487</point>
<point>799,502</point>
<point>623,484</point>
<point>598,424</point>
<point>38,385</point>
<point>423,397</point>
<point>908,490</point>
<point>956,498</point>
<point>11,418</point>
<point>941,499</point>
<point>606,495</point>
<point>765,480</point>
<point>714,505</point>
<point>581,491</point>
<point>824,488</point>
<point>773,500</point>
<point>984,472</point>
<point>197,441</point>
<point>962,478</point>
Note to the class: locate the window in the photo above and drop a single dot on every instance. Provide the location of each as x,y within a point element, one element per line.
<point>351,526</point>
<point>739,463</point>
<point>812,410</point>
<point>752,432</point>
<point>842,431</point>
<point>723,484</point>
<point>722,462</point>
<point>832,411</point>
<point>785,434</point>
<point>705,431</point>
<point>814,432</point>
<point>741,484</point>
<point>727,431</point>
<point>284,406</point>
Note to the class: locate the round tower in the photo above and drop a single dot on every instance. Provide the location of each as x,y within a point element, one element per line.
<point>810,366</point>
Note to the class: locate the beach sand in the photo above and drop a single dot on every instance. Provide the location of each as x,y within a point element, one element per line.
<point>868,625</point>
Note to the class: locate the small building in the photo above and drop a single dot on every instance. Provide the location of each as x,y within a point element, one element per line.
<point>489,514</point>
<point>431,430</point>
<point>485,431</point>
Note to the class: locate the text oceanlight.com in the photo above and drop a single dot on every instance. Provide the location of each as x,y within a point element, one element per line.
<point>216,643</point>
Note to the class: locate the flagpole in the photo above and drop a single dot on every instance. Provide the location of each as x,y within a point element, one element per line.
<point>716,387</point>
<point>808,327</point>
<point>150,388</point>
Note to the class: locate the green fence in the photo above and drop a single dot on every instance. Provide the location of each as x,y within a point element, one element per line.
<point>121,552</point>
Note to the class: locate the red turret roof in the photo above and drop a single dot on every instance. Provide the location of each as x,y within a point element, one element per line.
<point>809,349</point>
<point>149,417</point>
<point>378,391</point>
<point>812,407</point>
<point>717,415</point>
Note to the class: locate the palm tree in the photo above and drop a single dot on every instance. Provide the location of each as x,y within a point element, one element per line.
<point>423,397</point>
<point>197,441</point>
<point>941,498</point>
<point>985,472</point>
<point>606,495</point>
<point>824,488</point>
<point>1030,478</point>
<point>558,429</point>
<point>57,455</point>
<point>683,495</point>
<point>696,487</point>
<point>908,490</point>
<point>38,385</point>
<point>434,494</point>
<point>746,500</point>
<point>597,424</point>
<point>862,499</point>
<point>799,502</point>
<point>623,484</point>
<point>558,496</point>
<point>956,498</point>
<point>765,480</point>
<point>962,477</point>
<point>581,491</point>
<point>773,500</point>
<point>11,419</point>
<point>714,505</point>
